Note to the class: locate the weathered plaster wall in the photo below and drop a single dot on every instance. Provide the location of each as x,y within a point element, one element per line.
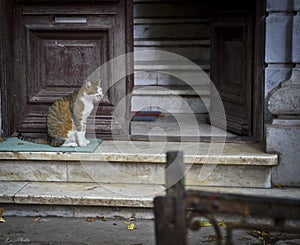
<point>282,88</point>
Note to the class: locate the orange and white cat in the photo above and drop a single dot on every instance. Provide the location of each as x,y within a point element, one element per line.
<point>67,117</point>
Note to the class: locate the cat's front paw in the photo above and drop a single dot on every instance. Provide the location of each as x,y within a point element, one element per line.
<point>86,141</point>
<point>82,144</point>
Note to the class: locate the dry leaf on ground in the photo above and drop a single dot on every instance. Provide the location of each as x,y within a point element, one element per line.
<point>1,218</point>
<point>131,226</point>
<point>102,218</point>
<point>90,219</point>
<point>37,219</point>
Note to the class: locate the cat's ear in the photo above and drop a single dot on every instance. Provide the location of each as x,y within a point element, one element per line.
<point>88,85</point>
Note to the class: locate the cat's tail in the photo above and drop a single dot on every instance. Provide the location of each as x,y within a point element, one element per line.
<point>36,140</point>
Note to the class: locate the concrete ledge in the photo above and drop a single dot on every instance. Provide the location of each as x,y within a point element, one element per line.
<point>79,194</point>
<point>143,163</point>
<point>154,152</point>
<point>90,199</point>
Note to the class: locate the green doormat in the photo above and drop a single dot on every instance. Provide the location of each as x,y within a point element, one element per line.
<point>16,145</point>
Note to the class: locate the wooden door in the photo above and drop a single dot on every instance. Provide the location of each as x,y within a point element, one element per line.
<point>231,64</point>
<point>55,46</point>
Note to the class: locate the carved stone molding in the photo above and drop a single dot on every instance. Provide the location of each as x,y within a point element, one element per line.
<point>285,102</point>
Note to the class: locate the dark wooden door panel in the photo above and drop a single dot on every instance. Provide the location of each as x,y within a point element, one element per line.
<point>57,45</point>
<point>231,65</point>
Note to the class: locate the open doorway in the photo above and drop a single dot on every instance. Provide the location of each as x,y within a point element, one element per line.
<point>222,40</point>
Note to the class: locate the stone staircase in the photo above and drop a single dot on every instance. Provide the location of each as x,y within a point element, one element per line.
<point>122,177</point>
<point>156,89</point>
<point>181,28</point>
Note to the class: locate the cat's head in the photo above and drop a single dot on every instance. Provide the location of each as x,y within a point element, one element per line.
<point>93,90</point>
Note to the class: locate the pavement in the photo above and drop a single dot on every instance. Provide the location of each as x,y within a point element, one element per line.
<point>99,230</point>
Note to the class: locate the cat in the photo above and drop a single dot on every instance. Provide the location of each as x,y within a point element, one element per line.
<point>67,117</point>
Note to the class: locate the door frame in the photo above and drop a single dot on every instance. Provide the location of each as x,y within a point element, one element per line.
<point>258,68</point>
<point>9,94</point>
<point>6,68</point>
<point>257,97</point>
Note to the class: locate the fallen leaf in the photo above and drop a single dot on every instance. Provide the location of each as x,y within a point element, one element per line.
<point>1,218</point>
<point>90,219</point>
<point>20,143</point>
<point>37,219</point>
<point>102,218</point>
<point>222,224</point>
<point>131,226</point>
<point>279,186</point>
<point>2,140</point>
<point>204,224</point>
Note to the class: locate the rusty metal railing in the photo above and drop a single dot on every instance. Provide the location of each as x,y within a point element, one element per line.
<point>180,209</point>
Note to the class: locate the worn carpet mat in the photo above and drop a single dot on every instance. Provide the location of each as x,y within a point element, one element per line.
<point>146,116</point>
<point>16,145</point>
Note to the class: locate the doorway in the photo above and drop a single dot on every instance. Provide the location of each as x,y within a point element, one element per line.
<point>226,41</point>
<point>49,48</point>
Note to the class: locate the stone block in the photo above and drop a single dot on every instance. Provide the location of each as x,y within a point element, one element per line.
<point>172,30</point>
<point>234,176</point>
<point>191,53</point>
<point>21,210</point>
<point>171,103</point>
<point>284,139</point>
<point>279,5</point>
<point>145,78</point>
<point>274,76</point>
<point>286,100</point>
<point>9,189</point>
<point>279,38</point>
<point>33,171</point>
<point>296,38</point>
<point>183,78</point>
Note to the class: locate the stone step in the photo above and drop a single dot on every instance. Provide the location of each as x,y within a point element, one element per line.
<point>171,99</point>
<point>171,42</point>
<point>143,163</point>
<point>191,49</point>
<point>183,127</point>
<point>158,63</point>
<point>174,20</point>
<point>191,52</point>
<point>109,200</point>
<point>171,9</point>
<point>171,74</point>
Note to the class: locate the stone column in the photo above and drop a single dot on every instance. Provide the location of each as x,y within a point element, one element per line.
<point>283,130</point>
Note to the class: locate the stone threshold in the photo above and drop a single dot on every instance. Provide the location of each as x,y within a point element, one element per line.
<point>113,196</point>
<point>154,152</point>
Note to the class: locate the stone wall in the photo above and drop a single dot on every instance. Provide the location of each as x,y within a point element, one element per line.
<point>282,88</point>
